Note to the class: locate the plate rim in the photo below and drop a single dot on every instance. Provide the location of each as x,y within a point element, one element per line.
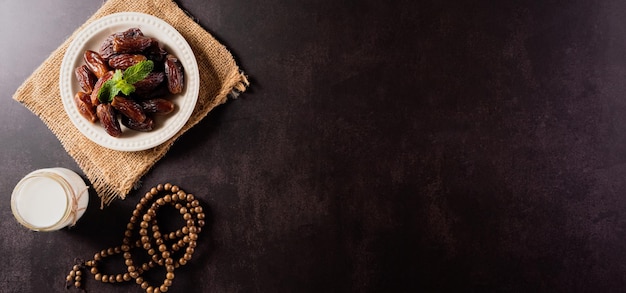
<point>142,140</point>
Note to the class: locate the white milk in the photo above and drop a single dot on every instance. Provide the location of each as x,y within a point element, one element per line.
<point>49,199</point>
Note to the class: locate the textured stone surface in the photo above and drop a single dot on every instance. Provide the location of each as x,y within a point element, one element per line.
<point>384,146</point>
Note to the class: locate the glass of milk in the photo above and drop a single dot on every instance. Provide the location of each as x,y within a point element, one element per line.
<point>49,199</point>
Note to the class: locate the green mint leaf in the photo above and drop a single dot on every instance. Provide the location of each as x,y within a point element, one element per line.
<point>105,94</point>
<point>123,81</point>
<point>117,76</point>
<point>125,87</point>
<point>138,71</point>
<point>114,91</point>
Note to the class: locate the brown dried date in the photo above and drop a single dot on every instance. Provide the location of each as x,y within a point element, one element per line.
<point>85,108</point>
<point>96,88</point>
<point>123,61</point>
<point>86,78</point>
<point>128,44</point>
<point>157,106</point>
<point>174,74</point>
<point>108,119</point>
<point>132,32</point>
<point>106,48</point>
<point>160,91</point>
<point>155,51</point>
<point>148,84</point>
<point>129,108</point>
<point>96,63</point>
<point>146,125</point>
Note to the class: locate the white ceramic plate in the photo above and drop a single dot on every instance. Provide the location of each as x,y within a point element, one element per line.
<point>90,38</point>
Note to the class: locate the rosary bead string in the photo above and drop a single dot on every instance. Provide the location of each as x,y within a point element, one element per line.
<point>170,250</point>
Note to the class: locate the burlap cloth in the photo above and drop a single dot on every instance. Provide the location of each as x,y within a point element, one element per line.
<point>114,173</point>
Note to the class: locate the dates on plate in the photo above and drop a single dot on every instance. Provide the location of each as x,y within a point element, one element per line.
<point>130,44</point>
<point>174,74</point>
<point>96,63</point>
<point>106,48</point>
<point>130,79</point>
<point>157,106</point>
<point>145,126</point>
<point>128,108</point>
<point>85,108</point>
<point>156,51</point>
<point>86,79</point>
<point>123,61</point>
<point>149,84</point>
<point>108,119</point>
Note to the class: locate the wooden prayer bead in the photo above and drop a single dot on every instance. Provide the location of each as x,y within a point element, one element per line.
<point>183,238</point>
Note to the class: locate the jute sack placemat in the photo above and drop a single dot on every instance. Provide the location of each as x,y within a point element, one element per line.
<point>114,173</point>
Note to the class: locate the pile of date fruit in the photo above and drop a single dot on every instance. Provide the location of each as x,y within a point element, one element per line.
<point>149,96</point>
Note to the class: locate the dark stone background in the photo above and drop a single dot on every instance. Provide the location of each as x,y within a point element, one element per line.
<point>384,146</point>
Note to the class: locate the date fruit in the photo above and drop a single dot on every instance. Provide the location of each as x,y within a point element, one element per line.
<point>157,106</point>
<point>174,74</point>
<point>156,52</point>
<point>123,61</point>
<point>146,125</point>
<point>86,79</point>
<point>108,119</point>
<point>85,108</point>
<point>148,84</point>
<point>130,44</point>
<point>96,63</point>
<point>129,108</point>
<point>106,48</point>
